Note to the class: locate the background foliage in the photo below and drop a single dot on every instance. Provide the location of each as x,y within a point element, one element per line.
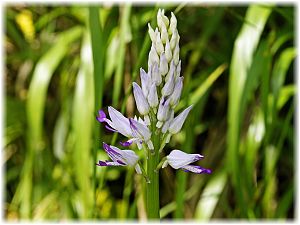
<point>237,63</point>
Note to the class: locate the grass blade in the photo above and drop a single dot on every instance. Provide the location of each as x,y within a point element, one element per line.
<point>97,45</point>
<point>35,110</point>
<point>124,29</point>
<point>244,47</point>
<point>83,118</point>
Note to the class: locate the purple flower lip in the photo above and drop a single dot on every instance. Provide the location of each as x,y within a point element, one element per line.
<point>101,163</point>
<point>125,143</point>
<point>101,116</point>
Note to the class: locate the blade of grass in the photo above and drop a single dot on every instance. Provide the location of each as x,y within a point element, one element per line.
<point>97,44</point>
<point>124,29</point>
<point>35,110</point>
<point>244,47</point>
<point>82,124</point>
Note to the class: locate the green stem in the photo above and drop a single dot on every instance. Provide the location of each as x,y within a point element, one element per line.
<point>152,188</point>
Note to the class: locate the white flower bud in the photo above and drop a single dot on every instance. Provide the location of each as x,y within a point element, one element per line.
<point>151,33</point>
<point>163,65</point>
<point>175,96</point>
<point>156,76</point>
<point>178,69</point>
<point>166,126</point>
<point>165,20</point>
<point>173,23</point>
<point>174,39</point>
<point>171,71</point>
<point>145,82</point>
<point>159,18</point>
<point>140,100</point>
<point>178,121</point>
<point>163,109</point>
<point>176,54</point>
<point>158,44</point>
<point>168,51</point>
<point>153,57</point>
<point>152,97</point>
<point>164,34</point>
<point>169,85</point>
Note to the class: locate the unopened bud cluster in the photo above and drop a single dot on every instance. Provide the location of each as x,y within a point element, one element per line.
<point>162,84</point>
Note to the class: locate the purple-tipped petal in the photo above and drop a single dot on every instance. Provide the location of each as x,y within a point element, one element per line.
<point>113,153</point>
<point>101,116</point>
<point>196,169</point>
<point>178,159</point>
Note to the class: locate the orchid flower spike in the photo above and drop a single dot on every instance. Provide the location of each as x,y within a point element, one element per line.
<point>156,100</point>
<point>181,160</point>
<point>120,158</point>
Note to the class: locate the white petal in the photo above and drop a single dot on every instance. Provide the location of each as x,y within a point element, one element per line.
<point>178,121</point>
<point>130,157</point>
<point>119,122</point>
<point>140,130</point>
<point>178,159</point>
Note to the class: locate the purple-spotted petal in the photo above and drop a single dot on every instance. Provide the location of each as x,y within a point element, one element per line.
<point>196,169</point>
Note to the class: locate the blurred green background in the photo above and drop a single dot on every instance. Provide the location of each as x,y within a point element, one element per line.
<point>64,62</point>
